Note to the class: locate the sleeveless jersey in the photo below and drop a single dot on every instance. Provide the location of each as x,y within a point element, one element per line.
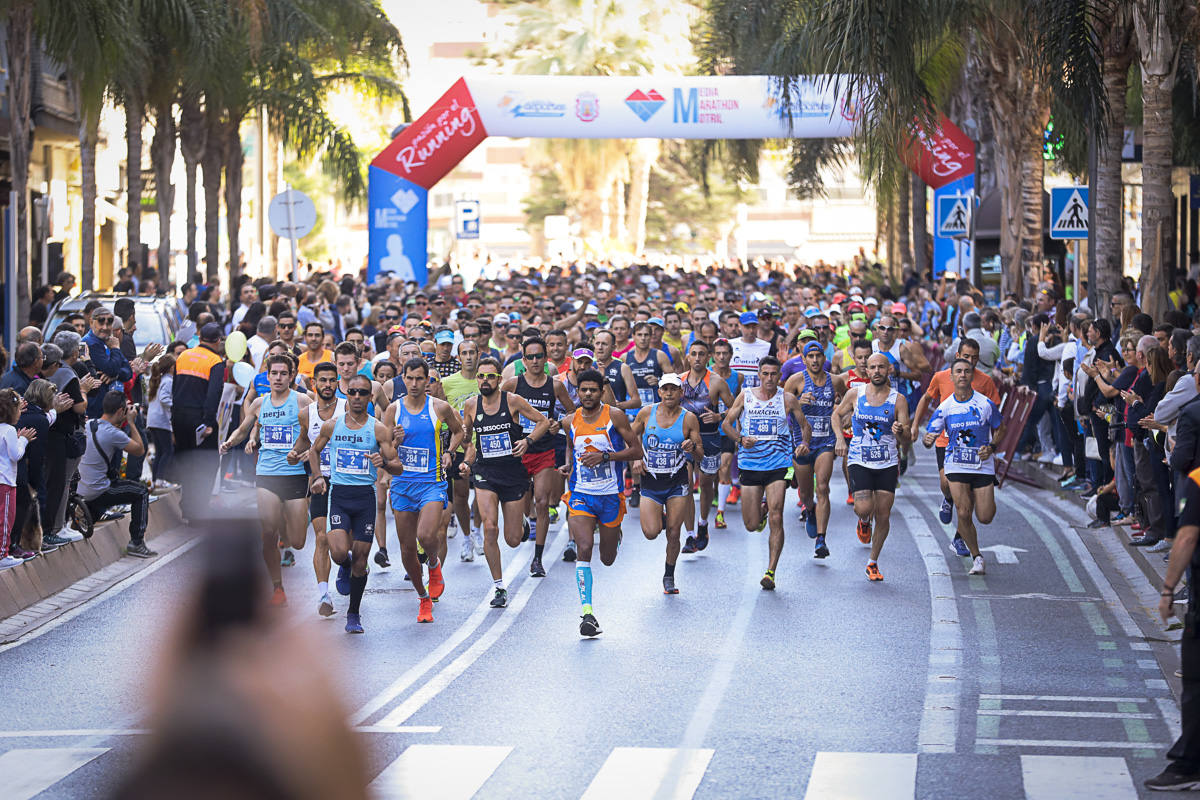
<point>873,444</point>
<point>279,427</point>
<point>893,357</point>
<point>766,421</point>
<point>612,374</point>
<point>746,357</point>
<point>542,398</point>
<point>314,429</point>
<point>421,451</point>
<point>696,400</point>
<point>819,411</point>
<point>350,451</point>
<point>641,369</point>
<point>572,389</point>
<point>598,437</point>
<point>663,455</point>
<point>734,382</point>
<point>495,435</point>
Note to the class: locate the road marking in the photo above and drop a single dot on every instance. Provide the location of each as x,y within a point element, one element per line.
<point>25,773</point>
<point>107,594</point>
<point>1034,712</point>
<point>641,773</point>
<point>447,772</point>
<point>1063,698</point>
<point>863,776</point>
<point>1170,715</point>
<point>1069,576</point>
<point>432,687</point>
<point>1076,778</point>
<point>1030,596</point>
<point>1070,744</point>
<point>68,732</point>
<point>1005,554</point>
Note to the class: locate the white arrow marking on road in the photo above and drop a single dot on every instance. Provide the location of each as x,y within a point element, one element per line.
<point>1004,553</point>
<point>28,772</point>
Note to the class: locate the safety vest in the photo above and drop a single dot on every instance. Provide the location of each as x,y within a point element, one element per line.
<point>197,362</point>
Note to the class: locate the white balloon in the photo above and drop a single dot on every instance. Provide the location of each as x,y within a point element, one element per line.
<point>243,374</point>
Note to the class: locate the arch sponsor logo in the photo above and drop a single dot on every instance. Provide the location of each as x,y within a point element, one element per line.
<point>515,105</point>
<point>587,106</point>
<point>645,104</point>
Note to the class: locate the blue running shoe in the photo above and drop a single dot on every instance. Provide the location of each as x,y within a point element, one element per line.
<point>960,546</point>
<point>810,526</point>
<point>946,512</point>
<point>821,551</point>
<point>353,623</point>
<point>343,580</point>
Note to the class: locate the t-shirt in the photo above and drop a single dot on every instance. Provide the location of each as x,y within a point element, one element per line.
<point>941,387</point>
<point>93,467</point>
<point>971,424</point>
<point>459,389</point>
<point>307,363</point>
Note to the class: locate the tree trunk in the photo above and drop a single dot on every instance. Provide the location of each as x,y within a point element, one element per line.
<point>212,163</point>
<point>1108,223</point>
<point>234,160</point>
<point>920,230</point>
<point>893,238</point>
<point>192,138</point>
<point>20,45</point>
<point>904,226</point>
<point>644,154</point>
<point>1033,173</point>
<point>134,107</point>
<point>162,148</point>
<point>89,135</point>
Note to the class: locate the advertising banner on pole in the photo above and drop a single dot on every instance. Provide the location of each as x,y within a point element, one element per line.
<point>398,227</point>
<point>941,155</point>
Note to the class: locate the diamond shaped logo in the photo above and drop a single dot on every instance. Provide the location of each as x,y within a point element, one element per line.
<point>405,199</point>
<point>644,104</point>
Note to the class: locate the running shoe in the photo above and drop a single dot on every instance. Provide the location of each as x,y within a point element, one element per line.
<point>1172,780</point>
<point>436,584</point>
<point>278,598</point>
<point>500,599</point>
<point>569,553</point>
<point>288,559</point>
<point>810,526</point>
<point>720,522</point>
<point>325,607</point>
<point>536,570</point>
<point>139,550</point>
<point>873,572</point>
<point>803,509</point>
<point>669,585</point>
<point>8,562</point>
<point>530,530</point>
<point>821,550</point>
<point>55,541</point>
<point>553,514</point>
<point>977,566</point>
<point>16,551</point>
<point>864,531</point>
<point>702,537</point>
<point>452,528</point>
<point>735,494</point>
<point>588,626</point>
<point>960,546</point>
<point>70,534</point>
<point>903,464</point>
<point>689,545</point>
<point>425,612</point>
<point>762,510</point>
<point>635,498</point>
<point>381,557</point>
<point>478,537</point>
<point>946,512</point>
<point>850,499</point>
<point>768,580</point>
<point>467,550</point>
<point>354,623</point>
<point>342,582</point>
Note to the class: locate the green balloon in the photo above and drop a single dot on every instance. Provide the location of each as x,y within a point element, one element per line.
<point>235,346</point>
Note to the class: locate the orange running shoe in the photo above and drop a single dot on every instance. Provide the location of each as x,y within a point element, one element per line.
<point>734,495</point>
<point>278,598</point>
<point>864,531</point>
<point>425,614</point>
<point>873,572</point>
<point>436,584</point>
<point>850,499</point>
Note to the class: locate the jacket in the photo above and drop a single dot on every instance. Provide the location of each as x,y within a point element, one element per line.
<point>1186,455</point>
<point>199,382</point>
<point>106,361</point>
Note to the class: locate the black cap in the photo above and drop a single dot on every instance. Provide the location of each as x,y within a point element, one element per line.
<point>210,333</point>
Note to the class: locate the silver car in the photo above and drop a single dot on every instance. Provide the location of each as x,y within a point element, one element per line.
<point>157,317</point>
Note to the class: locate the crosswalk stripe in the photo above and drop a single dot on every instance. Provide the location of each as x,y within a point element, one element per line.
<point>863,776</point>
<point>634,773</point>
<point>447,772</point>
<point>1076,778</point>
<point>27,772</point>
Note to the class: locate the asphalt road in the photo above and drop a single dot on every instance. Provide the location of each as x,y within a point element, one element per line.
<point>1030,682</point>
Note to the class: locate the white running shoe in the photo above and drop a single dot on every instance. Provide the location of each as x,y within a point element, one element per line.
<point>1046,458</point>
<point>467,551</point>
<point>8,562</point>
<point>452,528</point>
<point>977,566</point>
<point>477,535</point>
<point>70,534</point>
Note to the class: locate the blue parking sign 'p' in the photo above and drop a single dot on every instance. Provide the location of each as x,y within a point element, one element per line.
<point>466,219</point>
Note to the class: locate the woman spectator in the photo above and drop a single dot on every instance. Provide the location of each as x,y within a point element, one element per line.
<point>160,392</point>
<point>37,414</point>
<point>13,442</point>
<point>64,443</point>
<point>1160,367</point>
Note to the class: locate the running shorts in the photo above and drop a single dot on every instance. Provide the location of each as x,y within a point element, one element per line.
<point>710,462</point>
<point>352,508</point>
<point>536,462</point>
<point>661,489</point>
<point>318,505</point>
<point>412,496</point>
<point>727,444</point>
<point>285,487</point>
<point>608,509</point>
<point>876,480</point>
<point>764,477</point>
<point>506,487</point>
<point>972,479</point>
<point>560,451</point>
<point>811,458</point>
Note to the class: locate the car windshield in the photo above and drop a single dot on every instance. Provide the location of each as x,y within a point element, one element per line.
<point>149,327</point>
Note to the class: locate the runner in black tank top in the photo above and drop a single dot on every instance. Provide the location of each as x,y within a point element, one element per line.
<point>541,398</point>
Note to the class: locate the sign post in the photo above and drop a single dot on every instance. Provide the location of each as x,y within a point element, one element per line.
<point>1069,220</point>
<point>292,216</point>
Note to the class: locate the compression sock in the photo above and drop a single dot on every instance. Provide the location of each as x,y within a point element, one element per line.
<point>538,549</point>
<point>669,571</point>
<point>323,588</point>
<point>358,584</point>
<point>723,495</point>
<point>583,577</point>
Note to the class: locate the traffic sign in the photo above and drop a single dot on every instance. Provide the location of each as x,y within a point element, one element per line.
<point>954,216</point>
<point>292,214</point>
<point>466,219</point>
<point>1069,212</point>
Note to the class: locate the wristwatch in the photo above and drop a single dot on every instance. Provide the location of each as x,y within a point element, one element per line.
<point>606,457</point>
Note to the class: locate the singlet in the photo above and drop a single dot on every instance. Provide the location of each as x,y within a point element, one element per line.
<point>616,380</point>
<point>873,445</point>
<point>766,421</point>
<point>350,450</point>
<point>542,398</point>
<point>734,382</point>
<point>641,370</point>
<point>819,411</point>
<point>969,425</point>
<point>667,352</point>
<point>278,426</point>
<point>399,389</point>
<point>696,400</point>
<point>598,437</point>
<point>746,357</point>
<point>421,450</point>
<point>459,389</point>
<point>663,453</point>
<point>572,389</point>
<point>495,435</point>
<point>314,429</point>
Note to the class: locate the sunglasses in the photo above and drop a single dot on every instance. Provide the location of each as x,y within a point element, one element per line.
<point>286,326</point>
<point>487,376</point>
<point>885,327</point>
<point>535,355</point>
<point>103,320</point>
<point>358,392</point>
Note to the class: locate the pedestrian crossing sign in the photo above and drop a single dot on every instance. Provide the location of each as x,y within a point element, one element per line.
<point>954,216</point>
<point>1069,212</point>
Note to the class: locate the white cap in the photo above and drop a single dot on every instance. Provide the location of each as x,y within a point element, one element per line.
<point>670,379</point>
<point>591,309</point>
<point>605,287</point>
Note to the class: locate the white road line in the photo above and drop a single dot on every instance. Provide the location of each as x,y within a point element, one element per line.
<point>111,592</point>
<point>516,562</point>
<point>1061,562</point>
<point>25,773</point>
<point>445,772</point>
<point>1170,715</point>
<point>641,773</point>
<point>1062,698</point>
<point>70,732</point>
<point>1036,712</point>
<point>1070,744</point>
<point>863,776</point>
<point>463,662</point>
<point>1076,778</point>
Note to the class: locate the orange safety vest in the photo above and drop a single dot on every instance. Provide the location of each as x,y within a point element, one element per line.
<point>197,362</point>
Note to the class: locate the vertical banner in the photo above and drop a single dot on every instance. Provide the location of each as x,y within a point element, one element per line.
<point>398,227</point>
<point>950,253</point>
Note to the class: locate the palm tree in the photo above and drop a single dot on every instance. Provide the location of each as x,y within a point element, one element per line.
<point>1116,48</point>
<point>19,18</point>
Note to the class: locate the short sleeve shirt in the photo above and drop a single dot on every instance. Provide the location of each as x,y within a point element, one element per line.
<point>93,467</point>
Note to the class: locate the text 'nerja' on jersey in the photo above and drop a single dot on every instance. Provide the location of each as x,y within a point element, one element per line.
<point>969,425</point>
<point>278,428</point>
<point>350,450</point>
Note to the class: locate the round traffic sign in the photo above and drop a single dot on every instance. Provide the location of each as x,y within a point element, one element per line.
<point>292,214</point>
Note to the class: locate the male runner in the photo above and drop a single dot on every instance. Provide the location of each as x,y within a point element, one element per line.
<point>419,494</point>
<point>757,422</point>
<point>878,416</point>
<point>855,376</point>
<point>460,387</point>
<point>594,486</point>
<point>496,444</point>
<point>359,445</point>
<point>281,488</point>
<point>973,424</point>
<point>314,349</point>
<point>669,434</point>
<point>908,360</point>
<point>748,349</point>
<point>705,463</point>
<point>723,392</point>
<point>657,329</point>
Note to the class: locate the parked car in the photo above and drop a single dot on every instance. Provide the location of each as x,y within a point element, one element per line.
<point>157,317</point>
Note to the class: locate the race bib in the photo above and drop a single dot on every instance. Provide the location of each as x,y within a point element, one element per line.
<point>965,456</point>
<point>820,427</point>
<point>495,445</point>
<point>598,474</point>
<point>761,428</point>
<point>416,459</point>
<point>277,437</point>
<point>874,453</point>
<point>353,462</point>
<point>647,395</point>
<point>662,460</point>
<point>710,464</point>
<point>752,379</point>
<point>527,424</point>
<point>325,461</point>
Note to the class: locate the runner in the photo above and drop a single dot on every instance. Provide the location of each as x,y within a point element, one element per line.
<point>281,487</point>
<point>595,500</point>
<point>908,362</point>
<point>419,494</point>
<point>669,435</point>
<point>855,376</point>
<point>973,423</point>
<point>757,422</point>
<point>705,463</point>
<point>460,387</point>
<point>647,366</point>
<point>722,394</point>
<point>496,444</point>
<point>359,445</point>
<point>878,416</point>
<point>748,349</point>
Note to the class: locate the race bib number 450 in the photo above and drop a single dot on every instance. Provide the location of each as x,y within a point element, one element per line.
<point>495,445</point>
